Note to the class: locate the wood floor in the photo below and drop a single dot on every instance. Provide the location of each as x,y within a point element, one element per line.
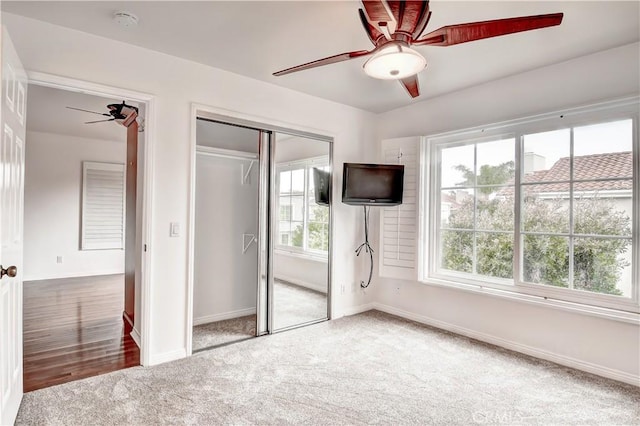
<point>73,328</point>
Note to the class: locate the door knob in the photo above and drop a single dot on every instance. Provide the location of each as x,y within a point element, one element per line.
<point>11,271</point>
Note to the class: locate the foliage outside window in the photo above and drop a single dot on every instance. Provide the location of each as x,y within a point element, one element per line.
<point>303,224</point>
<point>538,211</point>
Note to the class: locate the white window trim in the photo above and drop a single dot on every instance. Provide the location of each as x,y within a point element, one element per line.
<point>598,304</point>
<point>114,167</point>
<point>306,163</point>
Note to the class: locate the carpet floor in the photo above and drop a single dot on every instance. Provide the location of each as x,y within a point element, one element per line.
<point>371,368</point>
<point>223,332</point>
<point>293,305</point>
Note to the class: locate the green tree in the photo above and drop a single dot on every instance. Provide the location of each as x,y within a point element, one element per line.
<point>597,262</point>
<point>318,230</point>
<point>488,175</point>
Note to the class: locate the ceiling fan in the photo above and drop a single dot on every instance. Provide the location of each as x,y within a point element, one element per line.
<point>122,113</point>
<point>394,26</point>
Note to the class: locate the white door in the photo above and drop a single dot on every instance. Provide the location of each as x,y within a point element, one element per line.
<point>12,122</point>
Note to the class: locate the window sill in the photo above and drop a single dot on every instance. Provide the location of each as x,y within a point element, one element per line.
<point>302,255</point>
<point>595,311</point>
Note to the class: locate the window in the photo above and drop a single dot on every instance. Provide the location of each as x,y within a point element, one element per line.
<point>542,207</point>
<point>303,224</point>
<point>103,206</point>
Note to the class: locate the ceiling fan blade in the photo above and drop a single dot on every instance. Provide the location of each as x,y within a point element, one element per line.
<point>93,112</point>
<point>463,33</point>
<point>410,14</point>
<point>98,121</point>
<point>412,86</point>
<point>422,25</point>
<point>372,32</point>
<point>325,61</point>
<point>380,15</point>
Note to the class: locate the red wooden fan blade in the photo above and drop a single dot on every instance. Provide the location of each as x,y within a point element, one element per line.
<point>372,32</point>
<point>412,86</point>
<point>409,14</point>
<point>463,33</point>
<point>325,61</point>
<point>378,11</point>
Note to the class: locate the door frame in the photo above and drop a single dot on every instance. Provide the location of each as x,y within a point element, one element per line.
<point>259,123</point>
<point>146,213</point>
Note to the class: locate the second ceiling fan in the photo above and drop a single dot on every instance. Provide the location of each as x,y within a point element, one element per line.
<point>394,26</point>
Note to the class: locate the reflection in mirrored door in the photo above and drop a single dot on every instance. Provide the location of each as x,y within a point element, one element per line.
<point>226,255</point>
<point>300,220</point>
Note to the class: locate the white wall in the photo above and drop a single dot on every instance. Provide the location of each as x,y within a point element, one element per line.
<point>177,83</point>
<point>304,271</point>
<point>592,343</point>
<point>52,206</point>
<point>225,279</point>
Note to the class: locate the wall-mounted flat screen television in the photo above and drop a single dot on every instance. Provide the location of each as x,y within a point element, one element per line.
<point>372,184</point>
<point>321,181</point>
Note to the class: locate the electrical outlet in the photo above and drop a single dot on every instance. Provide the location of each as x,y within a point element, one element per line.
<point>59,259</point>
<point>342,288</point>
<point>174,229</point>
<point>397,288</point>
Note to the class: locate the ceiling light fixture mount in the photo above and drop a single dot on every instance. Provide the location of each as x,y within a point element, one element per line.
<point>394,61</point>
<point>125,19</point>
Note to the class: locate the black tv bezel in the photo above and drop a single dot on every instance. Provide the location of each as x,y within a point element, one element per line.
<point>367,201</point>
<point>317,190</point>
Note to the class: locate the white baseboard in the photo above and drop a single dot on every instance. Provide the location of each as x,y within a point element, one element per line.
<point>55,276</point>
<point>312,286</point>
<point>514,346</point>
<point>135,335</point>
<point>354,310</point>
<point>156,359</point>
<point>223,316</point>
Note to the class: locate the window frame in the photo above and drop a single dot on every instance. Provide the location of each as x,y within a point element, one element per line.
<point>430,193</point>
<point>307,165</point>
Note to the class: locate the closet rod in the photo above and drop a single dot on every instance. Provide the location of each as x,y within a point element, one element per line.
<point>225,153</point>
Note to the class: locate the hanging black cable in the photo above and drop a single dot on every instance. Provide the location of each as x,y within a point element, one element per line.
<point>366,246</point>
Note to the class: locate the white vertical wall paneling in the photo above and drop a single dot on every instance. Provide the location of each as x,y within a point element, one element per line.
<point>399,224</point>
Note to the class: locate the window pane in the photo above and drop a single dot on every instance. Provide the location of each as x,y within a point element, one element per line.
<point>457,251</point>
<point>318,236</point>
<point>457,166</point>
<point>456,208</point>
<point>318,213</point>
<point>495,254</point>
<point>545,208</point>
<point>297,181</point>
<point>496,162</point>
<point>284,230</point>
<point>285,208</point>
<point>603,150</point>
<point>546,260</point>
<point>285,182</point>
<point>297,236</point>
<point>546,156</point>
<point>602,265</point>
<point>494,208</point>
<point>297,208</point>
<point>604,212</point>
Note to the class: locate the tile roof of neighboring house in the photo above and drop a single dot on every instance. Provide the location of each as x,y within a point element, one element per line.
<point>595,166</point>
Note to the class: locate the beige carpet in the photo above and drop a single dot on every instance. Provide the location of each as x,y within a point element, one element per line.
<point>371,368</point>
<point>293,305</point>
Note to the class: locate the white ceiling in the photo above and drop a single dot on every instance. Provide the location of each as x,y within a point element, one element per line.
<point>256,38</point>
<point>47,112</point>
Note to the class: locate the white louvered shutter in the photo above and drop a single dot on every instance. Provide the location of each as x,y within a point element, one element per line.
<point>399,224</point>
<point>103,206</point>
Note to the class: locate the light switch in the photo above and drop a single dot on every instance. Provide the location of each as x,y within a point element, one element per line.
<point>174,229</point>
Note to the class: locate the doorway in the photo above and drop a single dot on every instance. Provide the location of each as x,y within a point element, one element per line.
<point>84,275</point>
<point>290,210</point>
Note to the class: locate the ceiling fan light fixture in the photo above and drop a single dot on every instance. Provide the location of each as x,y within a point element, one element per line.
<point>394,61</point>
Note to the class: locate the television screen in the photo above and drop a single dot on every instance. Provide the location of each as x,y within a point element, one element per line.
<point>372,184</point>
<point>321,181</point>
